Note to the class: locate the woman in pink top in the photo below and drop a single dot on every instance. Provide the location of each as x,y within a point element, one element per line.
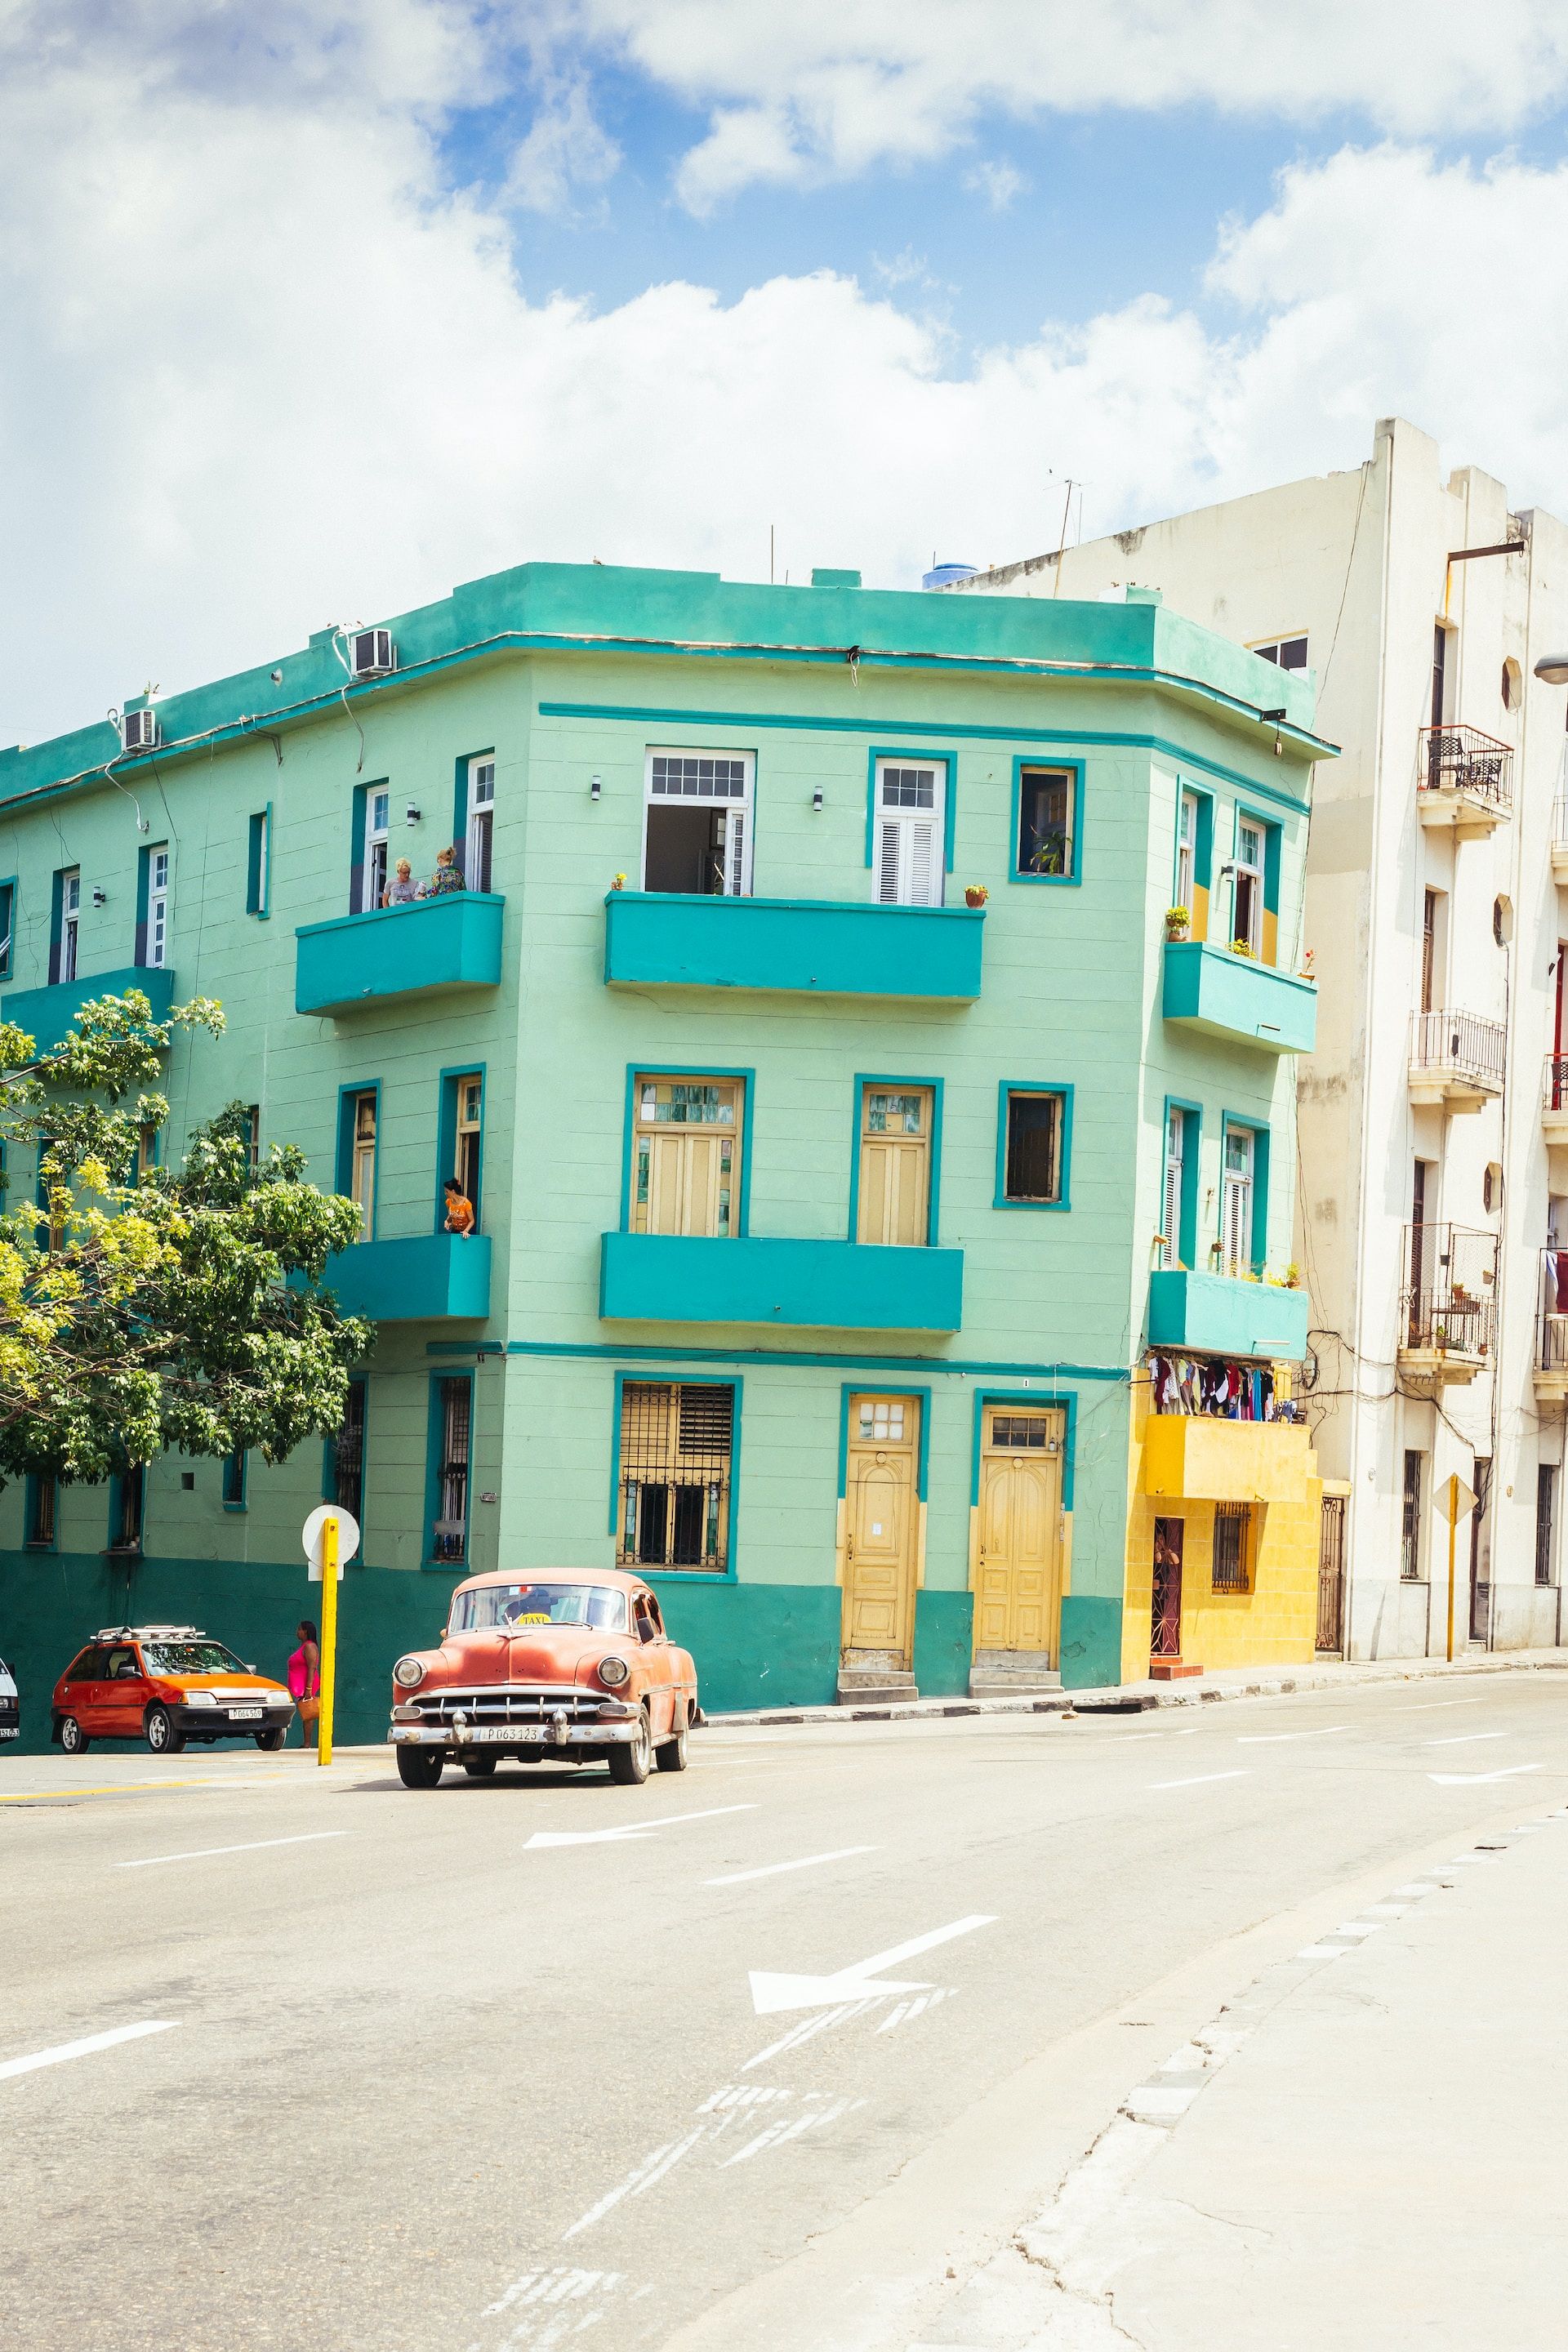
<point>305,1680</point>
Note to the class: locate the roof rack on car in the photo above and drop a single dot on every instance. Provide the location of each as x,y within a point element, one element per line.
<point>149,1634</point>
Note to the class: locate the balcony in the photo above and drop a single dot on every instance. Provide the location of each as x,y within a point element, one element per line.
<point>1464,783</point>
<point>819,947</point>
<point>46,1013</point>
<point>1194,1457</point>
<point>1560,838</point>
<point>426,948</point>
<point>1226,1314</point>
<point>1447,1307</point>
<point>833,1286</point>
<point>1554,1101</point>
<point>1455,1060</point>
<point>420,1278</point>
<point>1222,995</point>
<point>1551,1329</point>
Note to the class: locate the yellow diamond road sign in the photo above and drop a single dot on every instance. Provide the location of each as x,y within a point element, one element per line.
<point>1455,1500</point>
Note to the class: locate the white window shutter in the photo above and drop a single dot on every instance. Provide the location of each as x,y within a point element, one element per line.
<point>1173,1196</point>
<point>887,866</point>
<point>922,865</point>
<point>735,853</point>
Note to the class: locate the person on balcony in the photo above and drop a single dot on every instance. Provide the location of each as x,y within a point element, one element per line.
<point>459,1208</point>
<point>448,875</point>
<point>403,889</point>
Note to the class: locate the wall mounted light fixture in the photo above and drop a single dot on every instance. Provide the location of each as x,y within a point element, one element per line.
<point>816,800</point>
<point>100,898</point>
<point>413,812</point>
<point>595,786</point>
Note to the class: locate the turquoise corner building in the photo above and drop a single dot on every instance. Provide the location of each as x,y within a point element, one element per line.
<point>842,1127</point>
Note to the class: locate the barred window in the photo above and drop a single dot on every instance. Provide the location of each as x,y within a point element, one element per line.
<point>450,1537</point>
<point>1232,1535</point>
<point>689,777</point>
<point>345,1481</point>
<point>677,1455</point>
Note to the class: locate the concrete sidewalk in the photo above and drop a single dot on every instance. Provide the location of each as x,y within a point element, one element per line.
<point>1366,2149</point>
<point>1236,1681</point>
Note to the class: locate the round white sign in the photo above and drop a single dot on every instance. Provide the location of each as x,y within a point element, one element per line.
<point>311,1537</point>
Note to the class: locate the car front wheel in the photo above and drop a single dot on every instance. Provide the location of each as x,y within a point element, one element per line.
<point>670,1754</point>
<point>272,1739</point>
<point>163,1736</point>
<point>629,1763</point>
<point>419,1768</point>
<point>73,1739</point>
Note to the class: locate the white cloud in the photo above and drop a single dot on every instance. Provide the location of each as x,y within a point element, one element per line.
<point>262,371</point>
<point>566,148</point>
<point>997,180</point>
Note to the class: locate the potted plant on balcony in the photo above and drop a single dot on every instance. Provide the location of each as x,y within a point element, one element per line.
<point>1243,948</point>
<point>1178,923</point>
<point>975,894</point>
<point>618,881</point>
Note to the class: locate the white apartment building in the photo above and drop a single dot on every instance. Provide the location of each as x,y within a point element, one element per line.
<point>1433,1113</point>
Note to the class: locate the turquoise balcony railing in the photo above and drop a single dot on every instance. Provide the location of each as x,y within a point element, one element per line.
<point>1233,996</point>
<point>46,1013</point>
<point>421,950</point>
<point>837,1286</point>
<point>422,1279</point>
<point>822,946</point>
<point>1222,1314</point>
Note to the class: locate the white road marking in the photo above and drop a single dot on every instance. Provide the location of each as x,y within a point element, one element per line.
<point>628,1829</point>
<point>1358,1927</point>
<point>1321,1952</point>
<point>640,2178</point>
<point>1198,1779</point>
<point>773,1991</point>
<point>1472,1779</point>
<point>1264,1739</point>
<point>805,2031</point>
<point>1426,1705</point>
<point>1466,1739</point>
<point>774,1869</point>
<point>205,1853</point>
<point>559,2285</point>
<point>773,2135</point>
<point>86,2046</point>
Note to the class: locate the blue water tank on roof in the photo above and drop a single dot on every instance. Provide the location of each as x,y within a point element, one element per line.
<point>945,575</point>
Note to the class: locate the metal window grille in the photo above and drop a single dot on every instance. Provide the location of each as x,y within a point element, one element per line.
<point>1232,1532</point>
<point>451,1535</point>
<point>1410,1525</point>
<point>1332,1574</point>
<point>1552,1313</point>
<point>1447,1303</point>
<point>129,1490</point>
<point>41,1519</point>
<point>348,1455</point>
<point>1463,760</point>
<point>697,779</point>
<point>1545,1511</point>
<point>677,1452</point>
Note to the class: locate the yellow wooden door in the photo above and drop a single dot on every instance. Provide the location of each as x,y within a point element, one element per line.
<point>688,1141</point>
<point>895,1165</point>
<point>1018,1578</point>
<point>881,1516</point>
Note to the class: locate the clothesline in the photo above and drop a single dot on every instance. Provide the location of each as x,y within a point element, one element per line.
<point>1197,1385</point>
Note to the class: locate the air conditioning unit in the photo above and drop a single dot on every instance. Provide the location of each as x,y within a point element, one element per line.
<point>371,653</point>
<point>138,729</point>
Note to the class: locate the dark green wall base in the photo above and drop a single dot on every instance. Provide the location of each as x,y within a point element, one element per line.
<point>756,1644</point>
<point>1091,1641</point>
<point>944,1643</point>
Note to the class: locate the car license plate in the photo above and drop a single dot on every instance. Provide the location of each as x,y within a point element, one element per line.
<point>245,1715</point>
<point>513,1734</point>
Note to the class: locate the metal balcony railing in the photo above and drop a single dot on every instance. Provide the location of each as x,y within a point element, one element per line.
<point>1551,1312</point>
<point>1447,1299</point>
<point>1460,1044</point>
<point>1463,760</point>
<point>1554,1085</point>
<point>1560,822</point>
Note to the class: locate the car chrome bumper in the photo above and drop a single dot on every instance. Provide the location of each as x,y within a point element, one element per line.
<point>531,1739</point>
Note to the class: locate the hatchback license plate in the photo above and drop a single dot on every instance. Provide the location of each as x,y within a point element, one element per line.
<point>513,1734</point>
<point>245,1714</point>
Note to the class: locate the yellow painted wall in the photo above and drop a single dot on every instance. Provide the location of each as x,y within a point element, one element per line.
<point>1275,1625</point>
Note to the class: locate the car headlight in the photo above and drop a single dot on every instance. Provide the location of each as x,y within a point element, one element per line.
<point>278,1698</point>
<point>613,1671</point>
<point>199,1698</point>
<point>408,1671</point>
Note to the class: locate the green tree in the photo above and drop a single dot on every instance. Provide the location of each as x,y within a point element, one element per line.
<point>150,1307</point>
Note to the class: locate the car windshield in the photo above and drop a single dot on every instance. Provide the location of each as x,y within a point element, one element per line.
<point>190,1658</point>
<point>599,1605</point>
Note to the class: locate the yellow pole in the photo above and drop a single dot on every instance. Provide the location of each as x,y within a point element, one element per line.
<point>329,1638</point>
<point>1453,1532</point>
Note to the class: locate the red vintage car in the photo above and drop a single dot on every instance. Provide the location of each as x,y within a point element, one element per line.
<point>561,1665</point>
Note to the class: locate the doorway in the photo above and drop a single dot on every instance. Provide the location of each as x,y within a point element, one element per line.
<point>1018,1572</point>
<point>1165,1615</point>
<point>894,1202</point>
<point>881,1514</point>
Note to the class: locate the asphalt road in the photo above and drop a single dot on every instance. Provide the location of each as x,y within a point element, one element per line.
<point>420,2085</point>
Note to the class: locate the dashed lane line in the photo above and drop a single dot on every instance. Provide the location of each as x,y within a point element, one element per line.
<point>86,2046</point>
<point>207,1852</point>
<point>776,1869</point>
<point>1197,1778</point>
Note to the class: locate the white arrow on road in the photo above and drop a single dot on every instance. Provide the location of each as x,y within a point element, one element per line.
<point>630,1830</point>
<point>771,1993</point>
<point>1470,1780</point>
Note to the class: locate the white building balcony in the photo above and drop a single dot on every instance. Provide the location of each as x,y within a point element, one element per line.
<point>1551,1329</point>
<point>1560,838</point>
<point>1455,1060</point>
<point>1554,1100</point>
<point>1464,784</point>
<point>1447,1307</point>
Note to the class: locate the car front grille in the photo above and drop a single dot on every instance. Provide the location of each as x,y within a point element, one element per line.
<point>506,1704</point>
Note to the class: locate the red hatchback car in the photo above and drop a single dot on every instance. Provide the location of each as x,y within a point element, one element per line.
<point>165,1685</point>
<point>554,1665</point>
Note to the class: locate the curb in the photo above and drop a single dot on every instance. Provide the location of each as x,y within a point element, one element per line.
<point>1132,1698</point>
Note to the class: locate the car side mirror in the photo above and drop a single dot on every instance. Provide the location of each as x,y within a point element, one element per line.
<point>252,1668</point>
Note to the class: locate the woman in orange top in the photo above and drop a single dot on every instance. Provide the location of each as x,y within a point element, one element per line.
<point>459,1208</point>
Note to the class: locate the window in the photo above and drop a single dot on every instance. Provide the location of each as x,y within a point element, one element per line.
<point>376,803</point>
<point>258,865</point>
<point>253,1136</point>
<point>1285,653</point>
<point>1246,924</point>
<point>1429,916</point>
<point>1440,669</point>
<point>686,1148</point>
<point>7,927</point>
<point>893,1186</point>
<point>1512,687</point>
<point>910,835</point>
<point>233,1482</point>
<point>454,1419</point>
<point>480,820</point>
<point>676,1449</point>
<point>1045,848</point>
<point>42,1498</point>
<point>1187,853</point>
<point>154,940</point>
<point>697,833</point>
<point>1236,1206</point>
<point>68,920</point>
<point>1175,1183</point>
<point>344,1480</point>
<point>1033,1152</point>
<point>1230,1571</point>
<point>465,1156</point>
<point>1545,1504</point>
<point>146,1150</point>
<point>358,1120</point>
<point>1410,1525</point>
<point>127,1497</point>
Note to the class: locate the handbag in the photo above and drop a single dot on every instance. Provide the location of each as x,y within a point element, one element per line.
<point>310,1710</point>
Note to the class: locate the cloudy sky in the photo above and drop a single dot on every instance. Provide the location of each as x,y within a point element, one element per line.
<point>311,308</point>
